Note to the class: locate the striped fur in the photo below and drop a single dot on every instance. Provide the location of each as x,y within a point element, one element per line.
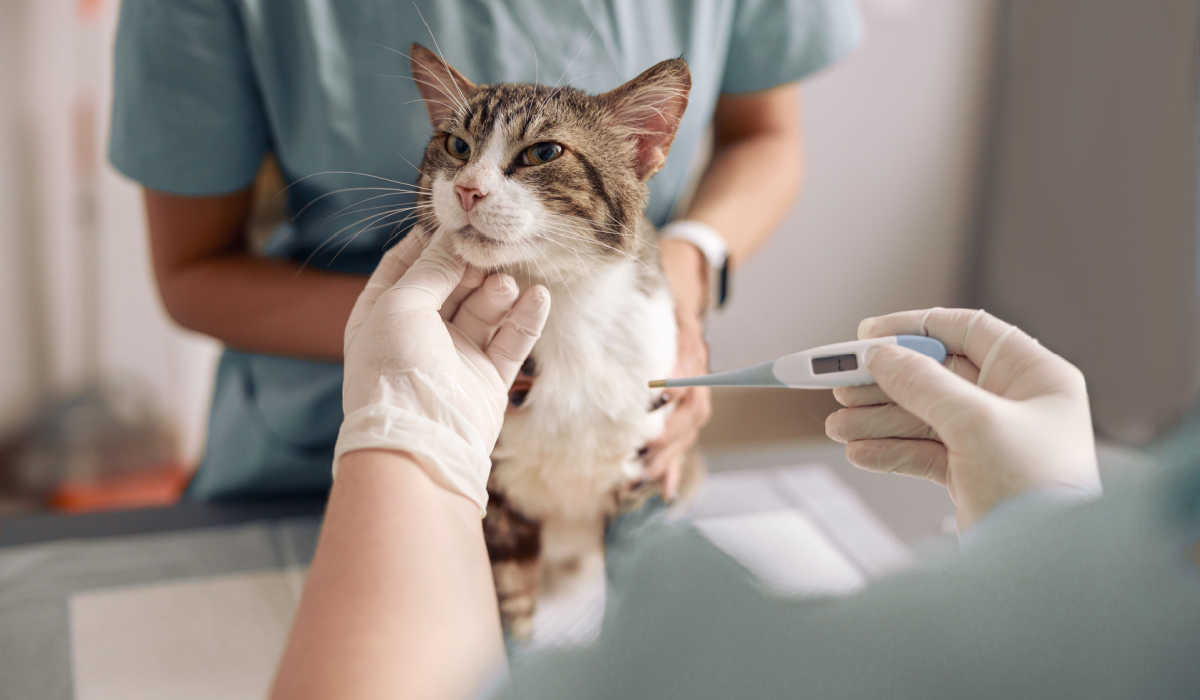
<point>570,443</point>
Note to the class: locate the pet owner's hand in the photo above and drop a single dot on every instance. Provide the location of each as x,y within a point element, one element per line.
<point>685,269</point>
<point>1005,416</point>
<point>434,384</point>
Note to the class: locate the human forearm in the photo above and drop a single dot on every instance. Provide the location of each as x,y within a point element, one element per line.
<point>262,305</point>
<point>747,188</point>
<point>743,198</point>
<point>399,599</point>
<point>736,200</point>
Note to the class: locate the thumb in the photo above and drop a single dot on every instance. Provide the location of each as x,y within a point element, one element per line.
<point>922,386</point>
<point>430,280</point>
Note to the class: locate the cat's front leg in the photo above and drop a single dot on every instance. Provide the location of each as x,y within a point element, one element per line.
<point>514,544</point>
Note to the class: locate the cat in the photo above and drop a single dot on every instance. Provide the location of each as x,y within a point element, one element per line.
<point>549,184</point>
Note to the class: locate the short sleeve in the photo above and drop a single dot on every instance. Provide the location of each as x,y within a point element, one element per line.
<point>773,42</point>
<point>187,116</point>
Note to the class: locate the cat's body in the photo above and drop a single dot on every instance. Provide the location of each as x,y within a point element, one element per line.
<point>549,184</point>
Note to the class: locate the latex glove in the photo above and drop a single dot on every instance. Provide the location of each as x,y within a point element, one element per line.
<point>1003,417</point>
<point>429,361</point>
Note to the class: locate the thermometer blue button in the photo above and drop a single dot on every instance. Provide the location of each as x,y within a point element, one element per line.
<point>924,345</point>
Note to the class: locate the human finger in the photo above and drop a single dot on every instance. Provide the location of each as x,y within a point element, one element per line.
<point>518,332</point>
<point>391,267</point>
<point>660,459</point>
<point>925,459</point>
<point>876,422</point>
<point>672,477</point>
<point>480,314</point>
<point>395,262</point>
<point>924,387</point>
<point>693,407</point>
<point>871,394</point>
<point>471,281</point>
<point>971,332</point>
<point>430,280</point>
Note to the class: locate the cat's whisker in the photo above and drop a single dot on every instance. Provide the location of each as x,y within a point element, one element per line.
<point>377,207</point>
<point>298,214</point>
<point>349,172</point>
<point>357,206</point>
<point>567,232</point>
<point>363,230</point>
<point>438,47</point>
<point>435,102</point>
<point>435,73</point>
<point>333,237</point>
<point>399,232</point>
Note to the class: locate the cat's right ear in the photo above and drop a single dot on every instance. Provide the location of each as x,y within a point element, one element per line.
<point>443,89</point>
<point>651,106</point>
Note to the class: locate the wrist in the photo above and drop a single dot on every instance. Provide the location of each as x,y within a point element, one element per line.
<point>448,457</point>
<point>686,270</point>
<point>712,266</point>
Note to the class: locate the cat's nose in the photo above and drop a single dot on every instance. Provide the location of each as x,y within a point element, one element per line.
<point>469,196</point>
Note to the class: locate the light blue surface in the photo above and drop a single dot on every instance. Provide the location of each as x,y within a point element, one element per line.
<point>924,345</point>
<point>204,88</point>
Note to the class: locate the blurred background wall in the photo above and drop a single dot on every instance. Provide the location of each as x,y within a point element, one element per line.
<point>895,138</point>
<point>1088,231</point>
<point>78,308</point>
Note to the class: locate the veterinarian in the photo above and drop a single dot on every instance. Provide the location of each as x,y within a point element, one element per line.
<point>1056,592</point>
<point>205,89</point>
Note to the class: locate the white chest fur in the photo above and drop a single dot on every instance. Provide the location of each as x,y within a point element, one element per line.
<point>574,440</point>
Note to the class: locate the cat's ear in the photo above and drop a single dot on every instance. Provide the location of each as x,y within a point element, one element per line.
<point>443,89</point>
<point>650,106</point>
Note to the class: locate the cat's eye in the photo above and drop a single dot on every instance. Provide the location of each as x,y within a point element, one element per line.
<point>457,147</point>
<point>539,153</point>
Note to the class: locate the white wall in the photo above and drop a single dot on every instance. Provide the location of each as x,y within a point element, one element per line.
<point>18,372</point>
<point>77,299</point>
<point>894,135</point>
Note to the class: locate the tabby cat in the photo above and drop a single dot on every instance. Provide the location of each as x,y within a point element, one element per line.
<point>549,184</point>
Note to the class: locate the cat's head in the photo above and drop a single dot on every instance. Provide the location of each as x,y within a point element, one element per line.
<point>521,173</point>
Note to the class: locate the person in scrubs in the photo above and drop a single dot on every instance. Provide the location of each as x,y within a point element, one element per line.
<point>1056,592</point>
<point>206,89</point>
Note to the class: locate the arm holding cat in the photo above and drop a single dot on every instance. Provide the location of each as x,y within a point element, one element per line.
<point>751,131</point>
<point>210,283</point>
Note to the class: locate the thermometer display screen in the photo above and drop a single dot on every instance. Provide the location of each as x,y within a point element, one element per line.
<point>834,363</point>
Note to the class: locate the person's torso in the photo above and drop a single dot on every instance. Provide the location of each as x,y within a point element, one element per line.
<point>348,129</point>
<point>347,125</point>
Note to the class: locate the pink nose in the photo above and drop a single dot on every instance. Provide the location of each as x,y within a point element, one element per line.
<point>469,196</point>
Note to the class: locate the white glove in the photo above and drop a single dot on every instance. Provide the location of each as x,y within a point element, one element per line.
<point>1003,417</point>
<point>434,384</point>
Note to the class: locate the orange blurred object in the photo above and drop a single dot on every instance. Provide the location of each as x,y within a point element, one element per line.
<point>89,8</point>
<point>148,487</point>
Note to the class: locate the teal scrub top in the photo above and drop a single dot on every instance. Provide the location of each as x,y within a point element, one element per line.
<point>1045,600</point>
<point>204,89</point>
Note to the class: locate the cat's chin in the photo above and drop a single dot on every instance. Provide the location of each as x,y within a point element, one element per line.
<point>484,251</point>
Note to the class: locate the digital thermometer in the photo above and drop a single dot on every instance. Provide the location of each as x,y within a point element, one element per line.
<point>824,367</point>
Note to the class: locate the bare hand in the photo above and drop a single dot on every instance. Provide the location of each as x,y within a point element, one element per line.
<point>693,406</point>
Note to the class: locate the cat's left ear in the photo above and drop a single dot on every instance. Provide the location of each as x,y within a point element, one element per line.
<point>651,106</point>
<point>443,88</point>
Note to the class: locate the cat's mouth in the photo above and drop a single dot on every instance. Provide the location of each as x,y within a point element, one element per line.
<point>470,233</point>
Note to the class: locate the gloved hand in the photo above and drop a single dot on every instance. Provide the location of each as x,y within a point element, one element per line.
<point>1004,416</point>
<point>434,384</point>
